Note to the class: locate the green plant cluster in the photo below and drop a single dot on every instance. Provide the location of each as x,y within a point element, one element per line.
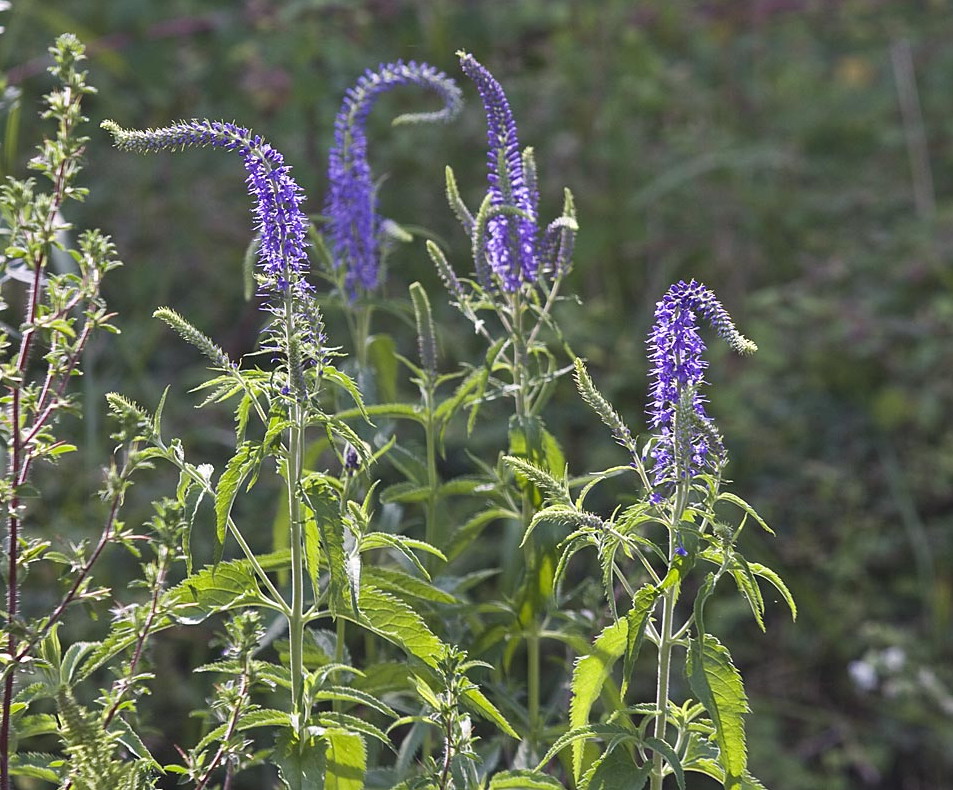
<point>360,648</point>
<point>765,147</point>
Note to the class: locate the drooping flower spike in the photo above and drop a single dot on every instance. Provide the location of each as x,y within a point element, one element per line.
<point>282,228</point>
<point>352,203</point>
<point>687,441</point>
<point>280,222</point>
<point>511,242</point>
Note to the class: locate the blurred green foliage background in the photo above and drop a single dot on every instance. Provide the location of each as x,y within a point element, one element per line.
<point>796,156</point>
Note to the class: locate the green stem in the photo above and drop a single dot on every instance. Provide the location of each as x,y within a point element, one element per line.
<point>532,628</point>
<point>296,620</point>
<point>296,616</point>
<point>432,481</point>
<point>667,640</point>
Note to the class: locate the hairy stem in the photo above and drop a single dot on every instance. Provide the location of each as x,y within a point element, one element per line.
<point>296,621</point>
<point>432,481</point>
<point>523,413</point>
<point>667,640</point>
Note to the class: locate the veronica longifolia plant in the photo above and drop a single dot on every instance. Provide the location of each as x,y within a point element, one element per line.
<point>518,270</point>
<point>321,577</point>
<point>683,501</point>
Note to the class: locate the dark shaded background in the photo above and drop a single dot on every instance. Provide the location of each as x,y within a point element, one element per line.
<point>796,156</point>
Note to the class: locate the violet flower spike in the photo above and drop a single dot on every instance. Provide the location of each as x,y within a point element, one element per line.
<point>687,441</point>
<point>511,243</point>
<point>279,220</point>
<point>351,203</point>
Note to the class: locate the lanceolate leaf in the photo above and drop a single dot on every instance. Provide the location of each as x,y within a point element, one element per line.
<point>348,384</point>
<point>472,529</point>
<point>353,724</point>
<point>300,765</point>
<point>322,500</point>
<point>615,770</point>
<point>588,678</point>
<point>236,471</point>
<point>346,758</point>
<point>346,694</point>
<point>718,686</point>
<point>396,621</point>
<point>405,584</point>
<point>766,573</point>
<point>393,619</point>
<point>638,617</point>
<point>215,589</point>
<point>36,765</point>
<point>524,780</point>
<point>578,735</point>
<point>727,496</point>
<point>670,756</point>
<point>475,699</point>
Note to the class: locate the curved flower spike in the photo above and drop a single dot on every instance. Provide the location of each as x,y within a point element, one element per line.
<point>687,440</point>
<point>351,203</point>
<point>280,222</point>
<point>511,244</point>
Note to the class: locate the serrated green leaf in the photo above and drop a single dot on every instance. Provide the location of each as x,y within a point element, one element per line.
<point>394,411</point>
<point>531,441</point>
<point>589,676</point>
<point>710,767</point>
<point>404,584</point>
<point>405,492</point>
<point>300,764</point>
<point>390,617</point>
<point>346,758</point>
<point>37,724</point>
<point>129,738</point>
<point>524,780</point>
<point>637,618</point>
<point>577,735</point>
<point>477,701</point>
<point>345,382</point>
<point>615,770</point>
<point>344,721</point>
<point>727,496</point>
<point>250,720</point>
<point>554,490</point>
<point>356,696</point>
<point>671,758</point>
<point>37,765</point>
<point>460,396</point>
<point>718,686</point>
<point>766,573</point>
<point>403,544</point>
<point>229,585</point>
<point>562,516</point>
<point>237,469</point>
<point>472,529</point>
<point>749,589</point>
<point>324,506</point>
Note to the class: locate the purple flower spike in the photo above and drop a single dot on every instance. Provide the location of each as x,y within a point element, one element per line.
<point>281,225</point>
<point>351,202</point>
<point>511,242</point>
<point>687,440</point>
